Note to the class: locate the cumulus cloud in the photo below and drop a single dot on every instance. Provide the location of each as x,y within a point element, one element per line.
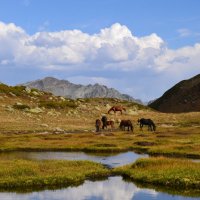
<point>115,44</point>
<point>113,50</point>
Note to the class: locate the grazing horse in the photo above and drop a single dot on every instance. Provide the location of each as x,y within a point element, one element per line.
<point>104,121</point>
<point>126,123</point>
<point>148,122</point>
<point>110,123</point>
<point>98,125</point>
<point>116,108</point>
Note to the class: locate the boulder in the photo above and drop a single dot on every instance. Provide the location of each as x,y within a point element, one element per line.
<point>28,90</point>
<point>35,110</point>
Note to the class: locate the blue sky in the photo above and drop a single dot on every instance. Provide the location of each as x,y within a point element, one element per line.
<point>140,47</point>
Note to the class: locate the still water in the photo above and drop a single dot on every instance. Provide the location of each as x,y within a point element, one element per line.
<point>111,160</point>
<point>114,188</point>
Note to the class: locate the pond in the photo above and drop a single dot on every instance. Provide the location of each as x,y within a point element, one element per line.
<point>110,160</point>
<point>114,188</point>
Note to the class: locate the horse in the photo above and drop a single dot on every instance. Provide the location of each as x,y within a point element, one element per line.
<point>148,122</point>
<point>117,108</point>
<point>98,125</point>
<point>110,123</point>
<point>104,121</point>
<point>126,123</point>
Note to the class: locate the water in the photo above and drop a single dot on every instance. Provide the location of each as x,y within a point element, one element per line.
<point>111,160</point>
<point>114,188</point>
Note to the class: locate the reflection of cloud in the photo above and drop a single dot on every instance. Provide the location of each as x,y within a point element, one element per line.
<point>112,189</point>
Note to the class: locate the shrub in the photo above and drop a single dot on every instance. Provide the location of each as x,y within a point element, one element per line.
<point>17,90</point>
<point>21,107</point>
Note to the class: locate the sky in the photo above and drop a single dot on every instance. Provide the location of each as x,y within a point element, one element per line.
<point>139,47</point>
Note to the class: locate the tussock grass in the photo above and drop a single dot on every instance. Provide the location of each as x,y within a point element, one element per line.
<point>171,173</point>
<point>27,174</point>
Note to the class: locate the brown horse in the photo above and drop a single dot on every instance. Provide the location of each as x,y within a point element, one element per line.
<point>98,125</point>
<point>110,123</point>
<point>126,123</point>
<point>117,108</point>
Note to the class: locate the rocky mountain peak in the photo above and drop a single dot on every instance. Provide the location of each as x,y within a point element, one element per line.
<point>71,90</point>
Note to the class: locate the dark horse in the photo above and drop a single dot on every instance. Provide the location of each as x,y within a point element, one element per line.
<point>107,122</point>
<point>116,108</point>
<point>148,122</point>
<point>104,121</point>
<point>126,123</point>
<point>98,125</point>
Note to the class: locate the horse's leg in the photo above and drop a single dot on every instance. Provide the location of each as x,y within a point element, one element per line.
<point>141,125</point>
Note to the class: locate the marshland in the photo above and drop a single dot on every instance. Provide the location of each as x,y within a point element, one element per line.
<point>35,123</point>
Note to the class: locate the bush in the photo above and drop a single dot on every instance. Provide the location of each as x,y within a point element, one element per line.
<point>21,107</point>
<point>17,90</point>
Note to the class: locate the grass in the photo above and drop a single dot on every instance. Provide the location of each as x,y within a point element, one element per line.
<point>57,105</point>
<point>19,174</point>
<point>184,142</point>
<point>166,172</point>
<point>177,135</point>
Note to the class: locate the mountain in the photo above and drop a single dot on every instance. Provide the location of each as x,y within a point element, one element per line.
<point>183,97</point>
<point>71,90</point>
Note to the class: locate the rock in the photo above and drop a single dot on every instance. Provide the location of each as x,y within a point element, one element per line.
<point>35,93</point>
<point>62,98</point>
<point>58,129</point>
<point>97,108</point>
<point>9,108</point>
<point>108,106</point>
<point>28,90</point>
<point>35,110</point>
<point>44,125</point>
<point>19,104</point>
<point>12,94</point>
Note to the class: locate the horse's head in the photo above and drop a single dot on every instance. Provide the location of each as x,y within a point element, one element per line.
<point>124,109</point>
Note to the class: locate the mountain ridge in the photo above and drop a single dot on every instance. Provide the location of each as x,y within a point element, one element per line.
<point>182,97</point>
<point>74,91</point>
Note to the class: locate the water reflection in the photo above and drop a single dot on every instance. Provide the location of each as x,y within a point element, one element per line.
<point>112,189</point>
<point>111,160</point>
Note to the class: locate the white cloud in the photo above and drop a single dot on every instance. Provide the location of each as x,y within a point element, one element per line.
<point>184,32</point>
<point>114,49</point>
